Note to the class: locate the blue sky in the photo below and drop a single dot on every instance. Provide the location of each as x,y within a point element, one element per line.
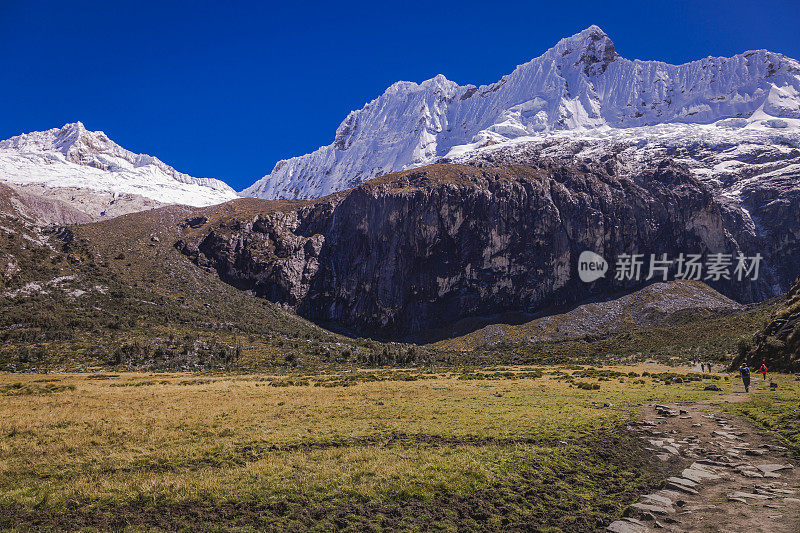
<point>226,89</point>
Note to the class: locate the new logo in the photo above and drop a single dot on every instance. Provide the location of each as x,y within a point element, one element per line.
<point>591,266</point>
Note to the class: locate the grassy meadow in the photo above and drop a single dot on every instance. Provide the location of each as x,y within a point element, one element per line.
<point>777,411</point>
<point>392,449</point>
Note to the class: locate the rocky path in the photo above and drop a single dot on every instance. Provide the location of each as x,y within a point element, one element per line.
<point>734,478</point>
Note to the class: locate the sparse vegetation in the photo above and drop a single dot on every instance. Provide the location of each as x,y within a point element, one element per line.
<point>108,295</point>
<point>776,410</point>
<point>25,389</point>
<point>709,339</point>
<point>393,447</point>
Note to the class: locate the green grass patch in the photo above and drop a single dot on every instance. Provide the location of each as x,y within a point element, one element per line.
<point>777,411</point>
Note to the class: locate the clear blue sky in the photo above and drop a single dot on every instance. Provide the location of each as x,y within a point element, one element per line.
<point>225,89</point>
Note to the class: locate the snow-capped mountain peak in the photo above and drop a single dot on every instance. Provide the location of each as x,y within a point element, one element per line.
<point>591,50</point>
<point>71,134</point>
<point>77,144</point>
<point>75,157</point>
<point>579,84</point>
<point>56,139</point>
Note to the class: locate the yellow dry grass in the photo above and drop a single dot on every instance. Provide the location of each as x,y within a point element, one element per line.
<point>179,437</point>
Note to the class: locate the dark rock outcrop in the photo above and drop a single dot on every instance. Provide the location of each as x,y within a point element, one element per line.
<point>424,248</point>
<point>778,344</point>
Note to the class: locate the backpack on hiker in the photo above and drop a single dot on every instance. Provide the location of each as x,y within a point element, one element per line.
<point>744,370</point>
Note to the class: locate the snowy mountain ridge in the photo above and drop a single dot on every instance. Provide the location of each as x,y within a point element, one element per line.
<point>74,157</point>
<point>580,84</point>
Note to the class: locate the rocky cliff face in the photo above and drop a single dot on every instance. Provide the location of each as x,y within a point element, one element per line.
<point>751,173</point>
<point>423,248</point>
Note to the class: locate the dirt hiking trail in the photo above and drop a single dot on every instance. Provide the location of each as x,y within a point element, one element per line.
<point>734,478</point>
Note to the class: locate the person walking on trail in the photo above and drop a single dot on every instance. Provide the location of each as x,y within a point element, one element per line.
<point>744,370</point>
<point>763,371</point>
<point>708,365</point>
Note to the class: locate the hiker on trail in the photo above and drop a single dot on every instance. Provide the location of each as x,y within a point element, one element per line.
<point>763,370</point>
<point>708,365</point>
<point>702,367</point>
<point>744,370</point>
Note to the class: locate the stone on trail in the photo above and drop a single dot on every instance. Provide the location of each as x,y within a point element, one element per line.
<point>749,472</point>
<point>771,468</point>
<point>710,462</point>
<point>679,487</point>
<point>628,525</point>
<point>665,410</point>
<point>650,508</point>
<point>697,475</point>
<point>682,481</point>
<point>740,494</point>
<point>755,452</point>
<point>780,491</point>
<point>706,466</point>
<point>657,498</point>
<point>681,484</point>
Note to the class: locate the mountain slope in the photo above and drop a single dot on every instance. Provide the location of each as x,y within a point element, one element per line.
<point>422,249</point>
<point>37,210</point>
<point>582,83</point>
<point>73,159</point>
<point>659,304</point>
<point>778,343</point>
<point>117,293</point>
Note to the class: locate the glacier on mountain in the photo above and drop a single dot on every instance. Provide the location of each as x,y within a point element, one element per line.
<point>74,157</point>
<point>581,85</point>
